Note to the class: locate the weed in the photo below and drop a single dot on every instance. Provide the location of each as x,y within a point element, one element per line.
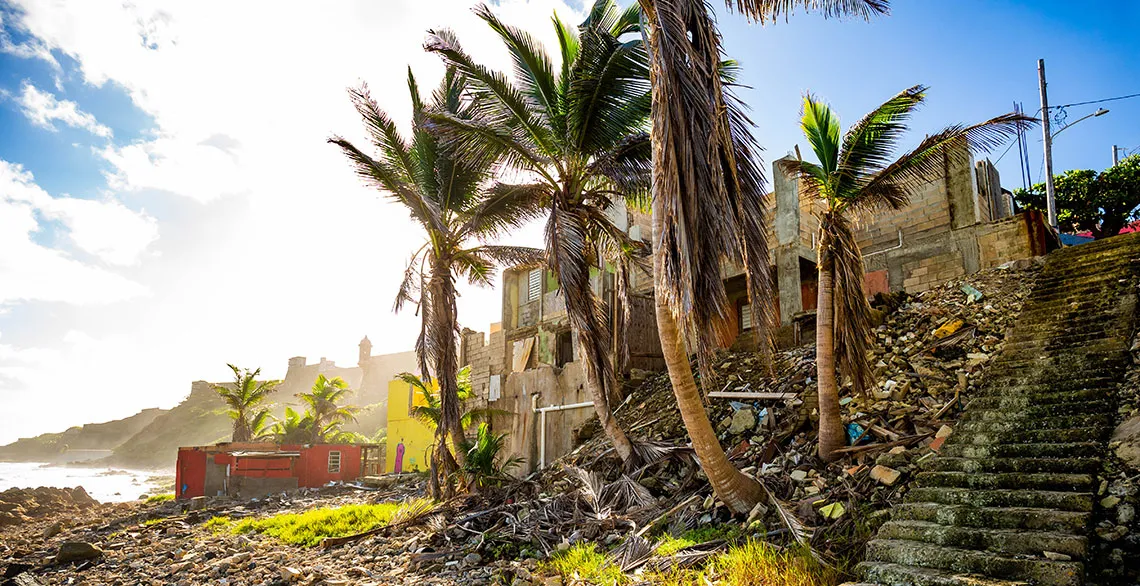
<point>755,563</point>
<point>150,522</point>
<point>584,563</point>
<point>310,527</point>
<point>670,544</point>
<point>218,524</point>
<point>159,498</point>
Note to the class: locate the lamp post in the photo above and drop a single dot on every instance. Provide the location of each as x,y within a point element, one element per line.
<point>1050,194</point>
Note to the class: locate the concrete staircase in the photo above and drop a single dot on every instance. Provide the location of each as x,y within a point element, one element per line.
<point>1018,477</point>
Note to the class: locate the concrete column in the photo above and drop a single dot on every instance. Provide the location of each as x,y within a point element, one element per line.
<point>787,228</point>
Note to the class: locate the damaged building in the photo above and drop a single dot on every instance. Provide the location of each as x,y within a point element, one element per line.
<point>527,365</point>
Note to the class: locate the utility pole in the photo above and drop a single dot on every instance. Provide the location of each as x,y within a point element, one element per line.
<point>1050,201</point>
<point>1115,155</point>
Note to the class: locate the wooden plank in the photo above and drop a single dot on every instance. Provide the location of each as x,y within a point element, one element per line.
<point>750,395</point>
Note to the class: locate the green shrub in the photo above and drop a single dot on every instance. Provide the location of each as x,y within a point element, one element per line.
<point>159,498</point>
<point>218,524</point>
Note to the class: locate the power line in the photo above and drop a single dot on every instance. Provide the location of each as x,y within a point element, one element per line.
<point>1095,101</point>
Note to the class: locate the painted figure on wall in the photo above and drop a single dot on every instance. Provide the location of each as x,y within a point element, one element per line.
<point>400,457</point>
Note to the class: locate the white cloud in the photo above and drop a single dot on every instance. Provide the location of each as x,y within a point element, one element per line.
<point>43,109</point>
<point>106,229</point>
<point>32,49</point>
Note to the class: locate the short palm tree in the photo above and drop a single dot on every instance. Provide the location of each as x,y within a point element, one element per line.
<point>295,428</point>
<point>578,129</point>
<point>244,399</point>
<point>855,174</point>
<point>448,196</point>
<point>325,401</point>
<point>707,205</point>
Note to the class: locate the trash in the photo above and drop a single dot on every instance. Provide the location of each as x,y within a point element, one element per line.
<point>949,328</point>
<point>832,511</point>
<point>972,294</point>
<point>856,433</point>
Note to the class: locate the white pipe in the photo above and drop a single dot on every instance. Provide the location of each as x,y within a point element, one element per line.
<point>900,245</point>
<point>542,411</point>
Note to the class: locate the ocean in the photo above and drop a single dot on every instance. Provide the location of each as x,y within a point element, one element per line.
<point>103,484</point>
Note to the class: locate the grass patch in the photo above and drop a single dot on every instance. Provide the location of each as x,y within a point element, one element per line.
<point>584,563</point>
<point>159,498</point>
<point>751,563</point>
<point>151,522</point>
<point>670,544</point>
<point>218,524</point>
<point>310,527</point>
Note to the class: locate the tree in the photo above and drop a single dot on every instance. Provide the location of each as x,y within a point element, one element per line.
<point>855,174</point>
<point>295,428</point>
<point>243,397</point>
<point>707,205</point>
<point>445,195</point>
<point>579,130</point>
<point>325,408</point>
<point>430,413</point>
<point>1100,203</point>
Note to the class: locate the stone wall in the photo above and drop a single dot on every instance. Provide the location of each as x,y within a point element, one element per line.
<point>544,386</point>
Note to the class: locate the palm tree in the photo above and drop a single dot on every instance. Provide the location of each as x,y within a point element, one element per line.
<point>579,130</point>
<point>855,175</point>
<point>243,397</point>
<point>324,406</point>
<point>295,428</point>
<point>431,412</point>
<point>445,195</point>
<point>707,205</point>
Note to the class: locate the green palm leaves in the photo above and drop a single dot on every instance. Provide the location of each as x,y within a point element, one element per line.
<point>244,399</point>
<point>325,405</point>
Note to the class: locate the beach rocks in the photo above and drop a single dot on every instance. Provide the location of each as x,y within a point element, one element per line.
<point>19,505</point>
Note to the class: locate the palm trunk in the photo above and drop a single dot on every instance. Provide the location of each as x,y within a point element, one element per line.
<point>598,394</point>
<point>831,433</point>
<point>738,491</point>
<point>443,327</point>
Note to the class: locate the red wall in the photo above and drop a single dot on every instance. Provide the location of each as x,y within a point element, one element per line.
<point>191,471</point>
<point>311,469</point>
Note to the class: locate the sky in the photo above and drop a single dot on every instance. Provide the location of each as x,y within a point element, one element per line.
<point>168,203</point>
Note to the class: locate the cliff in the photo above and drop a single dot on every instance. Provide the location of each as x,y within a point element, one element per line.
<point>73,443</point>
<point>199,419</point>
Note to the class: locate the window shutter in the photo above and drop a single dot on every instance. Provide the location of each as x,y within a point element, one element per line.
<point>534,285</point>
<point>746,317</point>
<point>334,462</point>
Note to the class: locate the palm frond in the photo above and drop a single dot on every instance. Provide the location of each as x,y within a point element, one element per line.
<point>870,142</point>
<point>952,146</point>
<point>771,10</point>
<point>511,255</point>
<point>482,140</point>
<point>628,165</point>
<point>385,136</point>
<point>505,206</point>
<point>534,71</point>
<point>821,127</point>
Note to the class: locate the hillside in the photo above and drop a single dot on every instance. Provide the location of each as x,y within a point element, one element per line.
<point>199,419</point>
<point>61,447</point>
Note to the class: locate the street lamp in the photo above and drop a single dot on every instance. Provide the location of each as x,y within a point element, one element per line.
<point>1100,112</point>
<point>1050,195</point>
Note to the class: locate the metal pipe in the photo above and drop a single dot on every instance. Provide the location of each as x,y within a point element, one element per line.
<point>542,411</point>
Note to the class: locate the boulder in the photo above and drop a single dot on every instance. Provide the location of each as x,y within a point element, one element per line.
<point>76,551</point>
<point>1128,434</point>
<point>742,421</point>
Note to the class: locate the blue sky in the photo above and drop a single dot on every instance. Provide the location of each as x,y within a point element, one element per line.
<point>168,202</point>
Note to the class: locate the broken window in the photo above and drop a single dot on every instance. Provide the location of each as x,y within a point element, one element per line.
<point>534,285</point>
<point>564,349</point>
<point>334,462</point>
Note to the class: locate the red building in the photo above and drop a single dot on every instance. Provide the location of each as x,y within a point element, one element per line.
<point>248,470</point>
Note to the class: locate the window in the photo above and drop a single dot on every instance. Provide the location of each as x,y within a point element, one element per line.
<point>334,462</point>
<point>534,285</point>
<point>745,317</point>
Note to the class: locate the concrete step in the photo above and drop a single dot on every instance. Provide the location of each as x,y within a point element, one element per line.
<point>1018,436</point>
<point>1051,481</point>
<point>1016,425</point>
<point>914,553</point>
<point>1040,451</point>
<point>1022,400</point>
<point>996,383</point>
<point>1025,518</point>
<point>1091,341</point>
<point>886,574</point>
<point>1002,541</point>
<point>1039,499</point>
<point>976,413</point>
<point>1011,465</point>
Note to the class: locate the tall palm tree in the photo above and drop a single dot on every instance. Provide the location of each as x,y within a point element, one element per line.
<point>707,205</point>
<point>448,196</point>
<point>325,401</point>
<point>856,175</point>
<point>244,397</point>
<point>579,130</point>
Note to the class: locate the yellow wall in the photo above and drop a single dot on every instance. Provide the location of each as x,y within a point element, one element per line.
<point>416,436</point>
